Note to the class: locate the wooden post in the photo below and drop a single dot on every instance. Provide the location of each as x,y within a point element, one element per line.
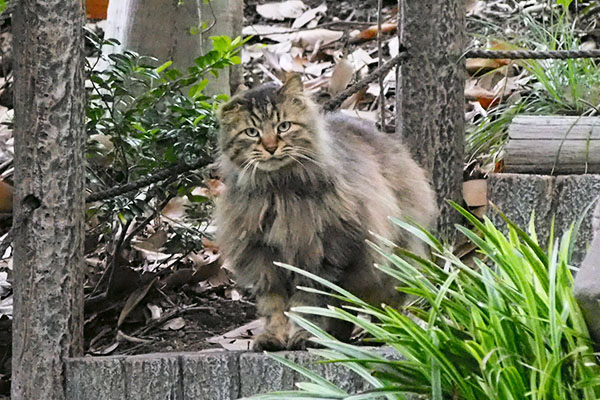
<point>177,29</point>
<point>49,195</point>
<point>430,98</point>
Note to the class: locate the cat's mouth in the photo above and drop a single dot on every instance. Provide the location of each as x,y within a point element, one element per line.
<point>274,162</point>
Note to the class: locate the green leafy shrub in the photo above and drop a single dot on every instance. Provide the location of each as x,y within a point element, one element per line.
<point>143,117</point>
<point>506,328</point>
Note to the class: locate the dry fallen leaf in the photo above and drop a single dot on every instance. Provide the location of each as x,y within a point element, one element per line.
<point>282,10</point>
<point>341,76</point>
<point>174,324</point>
<point>371,32</point>
<point>475,192</point>
<point>360,58</point>
<point>478,65</point>
<point>134,299</point>
<point>309,39</point>
<point>155,311</point>
<point>239,338</point>
<point>372,116</point>
<point>272,32</point>
<point>308,16</point>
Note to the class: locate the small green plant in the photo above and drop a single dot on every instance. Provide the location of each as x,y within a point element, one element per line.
<point>143,117</point>
<point>506,328</point>
<point>564,87</point>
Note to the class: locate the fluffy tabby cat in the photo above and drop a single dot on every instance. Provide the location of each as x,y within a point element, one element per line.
<point>306,189</point>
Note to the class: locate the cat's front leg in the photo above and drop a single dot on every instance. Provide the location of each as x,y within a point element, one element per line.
<point>272,306</point>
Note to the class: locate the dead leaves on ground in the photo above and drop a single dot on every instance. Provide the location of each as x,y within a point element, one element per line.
<point>312,42</point>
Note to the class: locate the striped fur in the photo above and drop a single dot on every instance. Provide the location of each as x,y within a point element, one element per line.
<point>329,181</point>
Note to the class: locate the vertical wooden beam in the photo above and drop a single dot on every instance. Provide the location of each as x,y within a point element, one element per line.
<point>180,31</point>
<point>430,99</point>
<point>49,195</point>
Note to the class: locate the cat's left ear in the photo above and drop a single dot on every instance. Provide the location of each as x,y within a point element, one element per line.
<point>292,85</point>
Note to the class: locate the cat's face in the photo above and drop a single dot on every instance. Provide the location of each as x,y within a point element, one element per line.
<point>269,127</point>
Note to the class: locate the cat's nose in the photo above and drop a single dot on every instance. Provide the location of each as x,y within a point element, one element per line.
<point>271,149</point>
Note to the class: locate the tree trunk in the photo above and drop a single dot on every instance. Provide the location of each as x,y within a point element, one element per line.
<point>430,101</point>
<point>178,33</point>
<point>49,195</point>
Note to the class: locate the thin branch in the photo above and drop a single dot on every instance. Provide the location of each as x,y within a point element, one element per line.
<point>335,103</point>
<point>325,25</point>
<point>379,64</point>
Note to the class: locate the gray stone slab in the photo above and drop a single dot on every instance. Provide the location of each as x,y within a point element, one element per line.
<point>218,375</point>
<point>211,376</point>
<point>100,378</point>
<point>339,375</point>
<point>573,195</point>
<point>587,282</point>
<point>518,195</point>
<point>262,374</point>
<point>153,377</point>
<point>563,199</point>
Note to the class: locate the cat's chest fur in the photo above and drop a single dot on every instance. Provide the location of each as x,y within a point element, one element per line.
<point>299,224</point>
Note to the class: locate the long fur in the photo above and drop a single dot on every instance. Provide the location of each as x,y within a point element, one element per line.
<point>336,180</point>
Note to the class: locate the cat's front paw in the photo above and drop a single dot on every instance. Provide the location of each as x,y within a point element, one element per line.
<point>300,341</point>
<point>268,342</point>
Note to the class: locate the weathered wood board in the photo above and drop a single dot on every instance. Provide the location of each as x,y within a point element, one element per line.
<point>555,145</point>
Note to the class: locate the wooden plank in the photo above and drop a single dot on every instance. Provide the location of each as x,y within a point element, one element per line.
<point>554,128</point>
<point>552,153</point>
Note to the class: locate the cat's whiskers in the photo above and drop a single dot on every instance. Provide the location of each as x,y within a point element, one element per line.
<point>309,156</point>
<point>253,174</point>
<point>246,166</point>
<point>303,176</point>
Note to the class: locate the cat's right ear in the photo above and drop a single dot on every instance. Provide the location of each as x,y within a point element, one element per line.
<point>225,110</point>
<point>292,85</point>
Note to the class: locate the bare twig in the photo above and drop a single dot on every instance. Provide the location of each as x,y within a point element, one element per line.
<point>379,64</point>
<point>325,25</point>
<point>335,103</point>
<point>214,18</point>
<point>167,316</point>
<point>147,220</point>
<point>399,100</point>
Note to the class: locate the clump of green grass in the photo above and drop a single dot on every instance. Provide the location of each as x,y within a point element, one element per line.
<point>509,328</point>
<point>562,87</point>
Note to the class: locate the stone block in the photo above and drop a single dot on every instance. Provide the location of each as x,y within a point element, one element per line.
<point>211,375</point>
<point>518,196</point>
<point>574,194</point>
<point>153,376</point>
<point>262,374</point>
<point>95,378</point>
<point>587,282</point>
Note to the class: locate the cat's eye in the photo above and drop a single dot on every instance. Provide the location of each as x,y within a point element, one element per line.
<point>252,132</point>
<point>284,126</point>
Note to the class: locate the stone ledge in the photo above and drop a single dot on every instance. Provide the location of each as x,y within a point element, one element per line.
<point>562,198</point>
<point>215,375</point>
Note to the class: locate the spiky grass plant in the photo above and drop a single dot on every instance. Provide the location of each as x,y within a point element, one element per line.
<point>509,328</point>
<point>564,87</point>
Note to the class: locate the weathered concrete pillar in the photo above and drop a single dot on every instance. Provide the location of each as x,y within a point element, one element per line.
<point>173,30</point>
<point>430,99</point>
<point>587,282</point>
